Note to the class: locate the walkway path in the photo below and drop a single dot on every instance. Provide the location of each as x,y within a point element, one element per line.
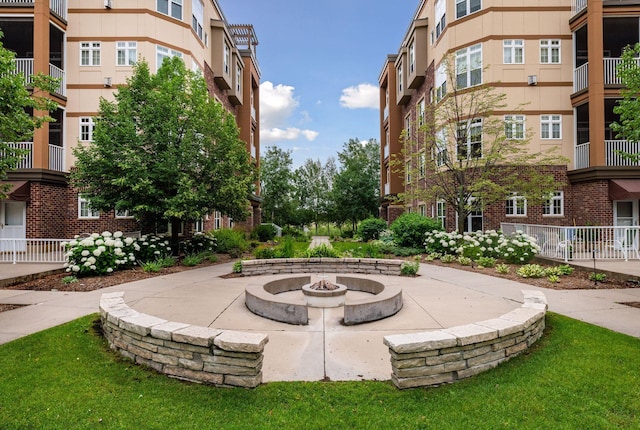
<point>319,240</point>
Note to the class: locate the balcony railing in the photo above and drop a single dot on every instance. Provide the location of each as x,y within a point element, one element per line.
<point>59,7</point>
<point>27,161</point>
<point>614,159</point>
<point>577,6</point>
<point>25,66</point>
<point>582,243</point>
<point>58,73</point>
<point>581,156</point>
<point>32,251</point>
<point>56,158</point>
<point>580,78</point>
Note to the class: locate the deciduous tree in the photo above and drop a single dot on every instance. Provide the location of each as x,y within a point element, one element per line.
<point>629,107</point>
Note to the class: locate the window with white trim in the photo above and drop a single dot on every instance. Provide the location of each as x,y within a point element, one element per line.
<point>84,209</point>
<point>440,148</point>
<point>217,220</point>
<point>469,66</point>
<point>227,58</point>
<point>407,172</point>
<point>86,128</point>
<point>197,17</point>
<point>513,51</point>
<point>412,57</point>
<point>422,209</point>
<point>163,52</point>
<point>238,78</point>
<point>551,126</point>
<point>554,206</point>
<point>516,205</point>
<point>441,212</point>
<point>441,81</point>
<point>407,125</point>
<point>126,53</point>
<point>514,126</point>
<point>123,214</point>
<point>466,7</point>
<point>172,8</point>
<point>420,108</point>
<point>422,163</point>
<point>550,51</point>
<point>441,16</point>
<point>469,139</point>
<point>400,78</point>
<point>198,225</point>
<point>89,53</point>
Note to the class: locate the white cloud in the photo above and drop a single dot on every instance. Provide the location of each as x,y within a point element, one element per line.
<point>361,96</point>
<point>277,106</point>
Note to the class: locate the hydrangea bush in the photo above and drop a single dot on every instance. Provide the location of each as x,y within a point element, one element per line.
<point>101,254</point>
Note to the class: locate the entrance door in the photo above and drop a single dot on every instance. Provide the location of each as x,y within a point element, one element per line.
<point>13,217</point>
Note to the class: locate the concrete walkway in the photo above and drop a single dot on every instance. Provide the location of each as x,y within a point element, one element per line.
<point>319,240</point>
<point>440,297</point>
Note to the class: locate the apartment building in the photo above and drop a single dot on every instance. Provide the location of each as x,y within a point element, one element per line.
<point>557,60</point>
<point>92,46</point>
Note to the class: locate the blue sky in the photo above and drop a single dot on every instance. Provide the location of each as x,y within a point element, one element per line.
<point>319,62</point>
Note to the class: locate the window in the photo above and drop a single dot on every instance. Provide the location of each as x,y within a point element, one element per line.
<point>465,7</point>
<point>422,161</point>
<point>407,171</point>
<point>422,209</point>
<point>513,51</point>
<point>412,57</point>
<point>126,53</point>
<point>516,206</point>
<point>400,79</point>
<point>551,126</point>
<point>469,139</point>
<point>554,206</point>
<point>217,220</point>
<point>198,225</point>
<point>469,66</point>
<point>441,16</point>
<point>440,155</point>
<point>420,108</point>
<point>197,17</point>
<point>441,81</point>
<point>407,126</point>
<point>90,53</point>
<point>84,209</point>
<point>227,58</point>
<point>550,51</point>
<point>441,212</point>
<point>514,126</point>
<point>162,53</point>
<point>238,79</point>
<point>170,7</point>
<point>123,214</point>
<point>86,128</point>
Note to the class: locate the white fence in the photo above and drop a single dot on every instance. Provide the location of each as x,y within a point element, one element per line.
<point>31,251</point>
<point>582,243</point>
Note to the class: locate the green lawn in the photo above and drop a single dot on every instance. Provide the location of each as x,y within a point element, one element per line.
<point>577,377</point>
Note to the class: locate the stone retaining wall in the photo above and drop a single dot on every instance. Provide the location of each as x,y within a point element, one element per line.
<point>183,351</point>
<point>275,266</point>
<point>445,356</point>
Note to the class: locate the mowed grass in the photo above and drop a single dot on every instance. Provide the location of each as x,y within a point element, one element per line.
<point>577,377</point>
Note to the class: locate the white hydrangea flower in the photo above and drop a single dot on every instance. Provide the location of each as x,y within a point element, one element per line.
<point>95,235</point>
<point>97,252</point>
<point>117,234</point>
<point>109,270</point>
<point>106,234</point>
<point>91,260</point>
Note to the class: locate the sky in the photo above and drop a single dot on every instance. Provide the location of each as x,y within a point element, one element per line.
<point>320,61</point>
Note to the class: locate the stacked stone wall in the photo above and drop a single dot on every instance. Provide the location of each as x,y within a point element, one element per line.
<point>372,266</point>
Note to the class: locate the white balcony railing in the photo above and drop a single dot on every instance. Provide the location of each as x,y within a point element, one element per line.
<point>56,158</point>
<point>58,73</point>
<point>580,78</point>
<point>32,251</point>
<point>581,156</point>
<point>27,161</point>
<point>59,7</point>
<point>611,70</point>
<point>582,243</point>
<point>577,6</point>
<point>614,159</point>
<point>25,66</point>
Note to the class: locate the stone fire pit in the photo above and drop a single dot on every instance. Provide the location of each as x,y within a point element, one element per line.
<point>324,294</point>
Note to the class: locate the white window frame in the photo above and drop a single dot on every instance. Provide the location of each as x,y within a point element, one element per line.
<point>441,212</point>
<point>441,81</point>
<point>472,139</point>
<point>516,206</point>
<point>440,148</point>
<point>122,214</point>
<point>87,126</point>
<point>85,211</point>
<point>400,78</point>
<point>412,57</point>
<point>238,78</point>
<point>514,127</point>
<point>470,6</point>
<point>550,52</point>
<point>197,17</point>
<point>217,220</point>
<point>227,58</point>
<point>198,225</point>
<point>126,53</point>
<point>550,127</point>
<point>420,108</point>
<point>554,206</point>
<point>422,164</point>
<point>163,52</point>
<point>422,208</point>
<point>469,66</point>
<point>92,51</point>
<point>174,8</point>
<point>513,51</point>
<point>441,17</point>
<point>407,125</point>
<point>407,172</point>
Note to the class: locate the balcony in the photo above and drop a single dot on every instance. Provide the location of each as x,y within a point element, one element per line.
<point>578,6</point>
<point>25,66</point>
<point>59,7</point>
<point>581,156</point>
<point>581,75</point>
<point>612,158</point>
<point>56,156</point>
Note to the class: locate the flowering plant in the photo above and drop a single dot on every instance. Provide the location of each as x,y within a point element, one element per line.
<point>99,254</point>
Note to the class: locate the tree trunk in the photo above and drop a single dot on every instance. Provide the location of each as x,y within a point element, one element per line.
<point>175,240</point>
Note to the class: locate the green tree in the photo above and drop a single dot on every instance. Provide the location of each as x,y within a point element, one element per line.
<point>165,150</point>
<point>21,111</point>
<point>468,156</point>
<point>356,185</point>
<point>629,107</point>
<point>276,179</point>
<point>313,184</point>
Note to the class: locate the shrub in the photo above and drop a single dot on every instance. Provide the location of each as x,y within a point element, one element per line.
<point>237,267</point>
<point>151,247</point>
<point>518,248</point>
<point>554,279</point>
<point>287,248</point>
<point>371,228</point>
<point>346,234</point>
<point>486,262</point>
<point>265,232</point>
<point>502,269</point>
<point>230,241</point>
<point>167,261</point>
<point>465,261</point>
<point>401,251</point>
<point>409,229</point>
<point>100,254</point>
<point>565,269</point>
<point>191,260</point>
<point>321,251</point>
<point>151,266</point>
<point>409,269</point>
<point>264,252</point>
<point>448,258</point>
<point>531,271</point>
<point>69,280</point>
<point>442,242</point>
<point>199,243</point>
<point>598,277</point>
<point>367,250</point>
